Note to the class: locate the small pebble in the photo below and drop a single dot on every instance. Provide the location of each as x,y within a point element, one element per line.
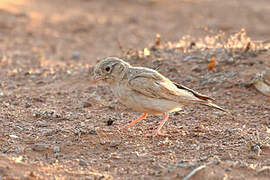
<point>196,69</point>
<point>56,149</point>
<point>13,136</point>
<point>41,123</point>
<point>115,143</point>
<point>177,113</point>
<point>76,55</point>
<point>27,105</point>
<point>187,58</point>
<point>110,121</point>
<point>179,175</point>
<point>107,167</point>
<point>48,132</point>
<point>170,169</point>
<point>82,163</point>
<point>93,132</point>
<point>82,124</point>
<point>40,147</point>
<point>33,174</point>
<point>86,104</point>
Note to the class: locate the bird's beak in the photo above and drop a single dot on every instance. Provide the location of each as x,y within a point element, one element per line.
<point>97,77</point>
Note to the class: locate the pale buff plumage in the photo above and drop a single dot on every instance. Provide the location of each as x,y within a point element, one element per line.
<point>261,81</point>
<point>146,90</point>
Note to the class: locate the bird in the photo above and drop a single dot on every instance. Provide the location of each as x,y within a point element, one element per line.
<point>146,90</point>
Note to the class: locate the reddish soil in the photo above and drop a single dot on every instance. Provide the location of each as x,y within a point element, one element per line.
<point>55,123</point>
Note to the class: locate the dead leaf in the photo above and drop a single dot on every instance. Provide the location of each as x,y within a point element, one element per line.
<point>247,47</point>
<point>158,40</point>
<point>146,52</point>
<point>212,64</point>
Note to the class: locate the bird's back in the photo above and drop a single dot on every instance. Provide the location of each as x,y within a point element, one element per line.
<point>153,84</point>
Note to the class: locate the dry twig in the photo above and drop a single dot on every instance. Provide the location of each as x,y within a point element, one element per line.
<point>194,171</point>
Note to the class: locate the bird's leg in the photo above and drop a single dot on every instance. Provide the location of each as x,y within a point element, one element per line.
<point>137,120</point>
<point>165,118</point>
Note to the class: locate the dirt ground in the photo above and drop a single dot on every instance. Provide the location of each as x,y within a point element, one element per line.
<point>55,123</point>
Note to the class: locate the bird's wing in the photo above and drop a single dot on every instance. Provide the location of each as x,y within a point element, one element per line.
<point>153,84</point>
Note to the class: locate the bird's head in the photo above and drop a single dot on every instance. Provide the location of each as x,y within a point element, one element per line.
<point>110,70</point>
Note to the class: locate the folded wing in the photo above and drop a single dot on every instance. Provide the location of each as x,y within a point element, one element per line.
<point>153,84</point>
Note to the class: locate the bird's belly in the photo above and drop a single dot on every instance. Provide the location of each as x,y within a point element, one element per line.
<point>154,106</point>
<point>145,104</point>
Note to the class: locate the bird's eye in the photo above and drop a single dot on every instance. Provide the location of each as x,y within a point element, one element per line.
<point>107,69</point>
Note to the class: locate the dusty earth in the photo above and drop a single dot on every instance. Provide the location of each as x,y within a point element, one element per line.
<point>55,123</point>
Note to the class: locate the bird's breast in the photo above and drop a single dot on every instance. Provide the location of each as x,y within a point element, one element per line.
<point>122,92</point>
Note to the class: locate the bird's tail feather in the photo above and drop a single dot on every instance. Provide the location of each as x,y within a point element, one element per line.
<point>210,104</point>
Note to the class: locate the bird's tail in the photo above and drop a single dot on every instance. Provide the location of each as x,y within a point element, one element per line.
<point>211,104</point>
<point>200,99</point>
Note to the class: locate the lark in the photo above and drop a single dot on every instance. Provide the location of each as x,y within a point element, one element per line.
<point>146,90</point>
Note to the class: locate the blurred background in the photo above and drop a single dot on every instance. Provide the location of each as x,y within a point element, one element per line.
<point>93,29</point>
